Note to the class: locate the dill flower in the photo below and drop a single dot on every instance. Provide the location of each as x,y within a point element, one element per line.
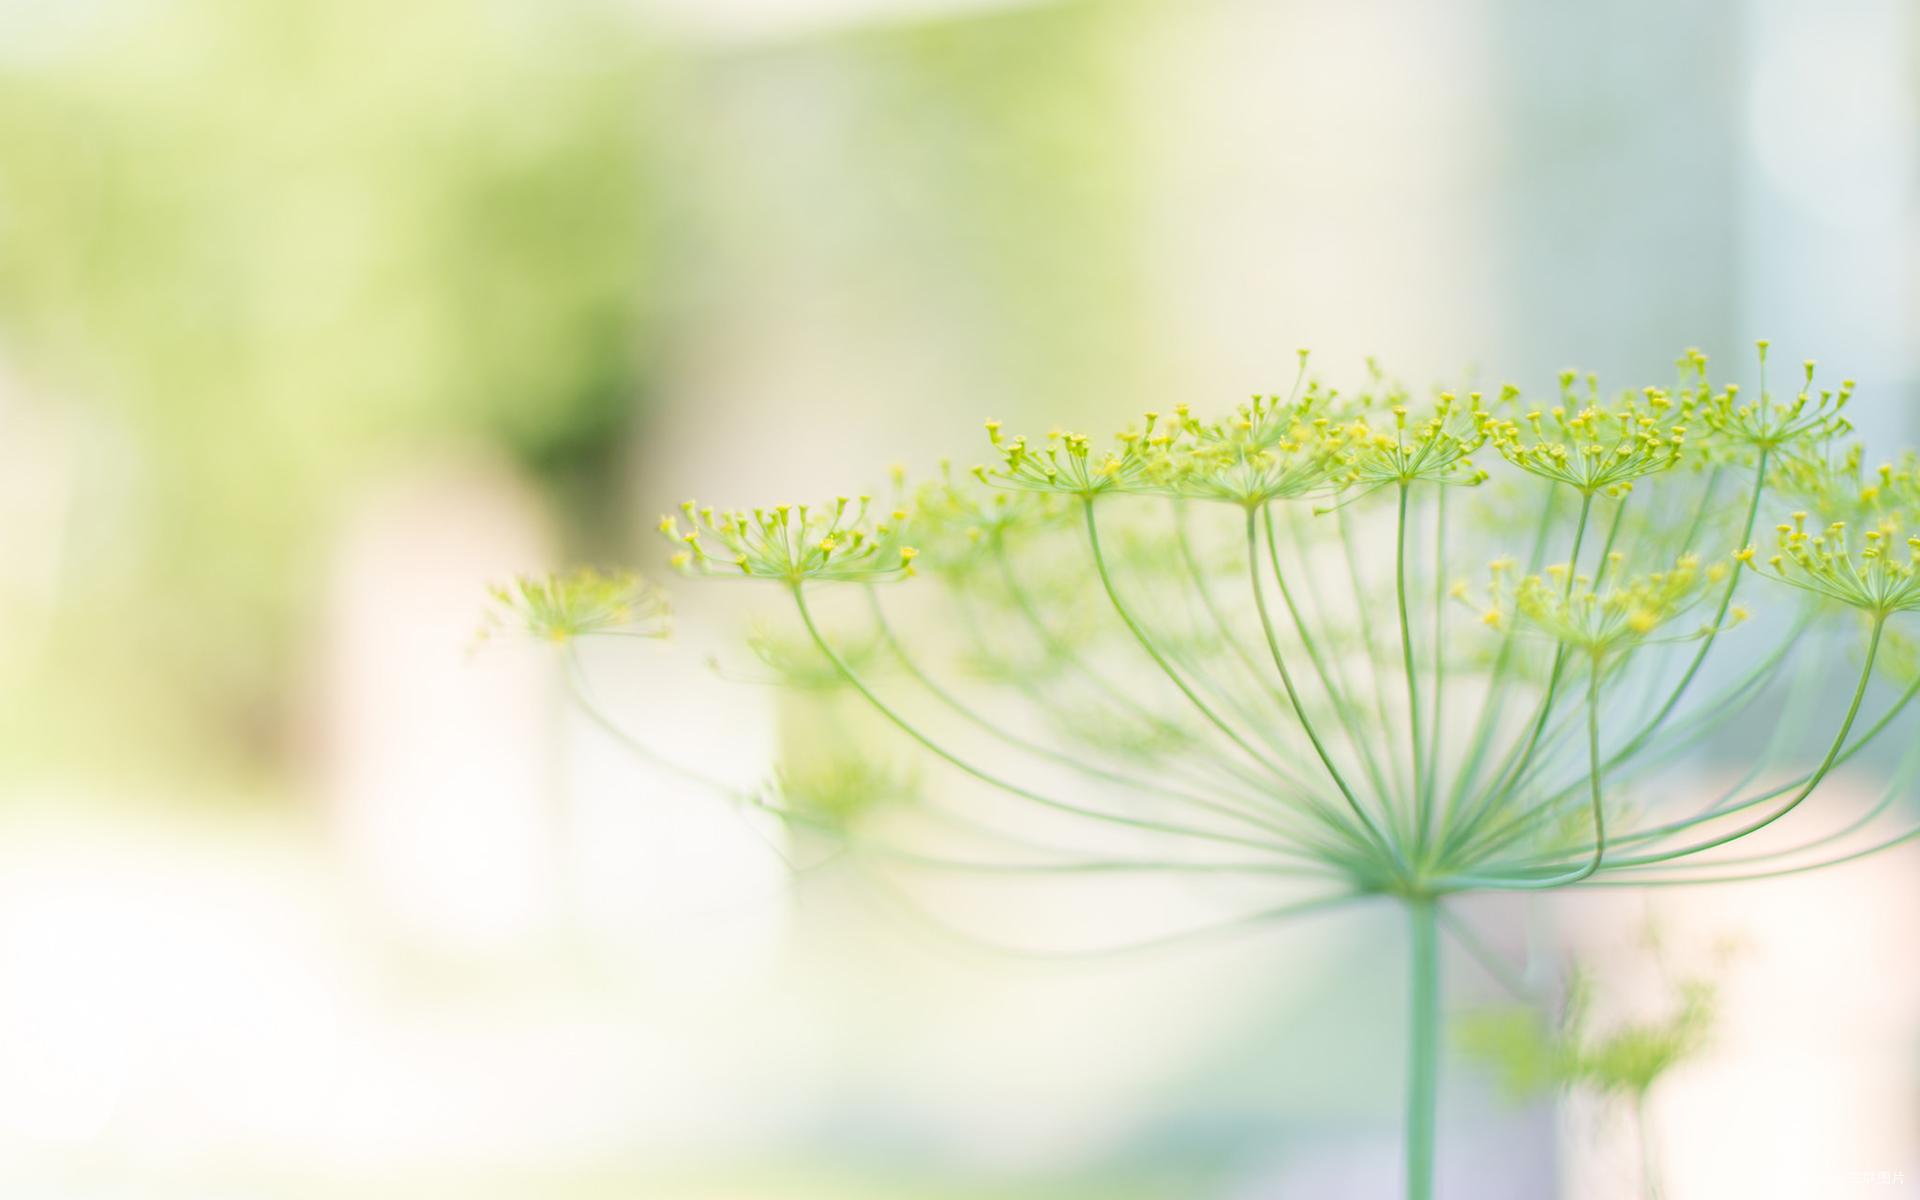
<point>1592,447</point>
<point>1604,620</point>
<point>958,529</point>
<point>1066,463</point>
<point>837,789</point>
<point>1432,447</point>
<point>1267,449</point>
<point>580,603</point>
<point>1810,418</point>
<point>838,541</point>
<point>1194,643</point>
<point>1876,573</point>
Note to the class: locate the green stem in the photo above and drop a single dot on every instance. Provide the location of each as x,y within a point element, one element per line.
<point>1160,659</point>
<point>913,731</point>
<point>1342,704</point>
<point>1286,680</point>
<point>1488,959</point>
<point>1406,659</point>
<point>1423,1047</point>
<point>1428,798</point>
<point>1719,617</point>
<point>1522,755</point>
<point>1595,791</point>
<point>979,720</point>
<point>1204,591</point>
<point>1495,702</point>
<point>1360,598</point>
<point>583,698</point>
<point>1813,781</point>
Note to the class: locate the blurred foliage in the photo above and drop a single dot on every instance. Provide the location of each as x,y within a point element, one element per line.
<point>261,256</point>
<point>282,248</point>
<point>971,186</point>
<point>1619,1061</point>
<point>1624,1060</point>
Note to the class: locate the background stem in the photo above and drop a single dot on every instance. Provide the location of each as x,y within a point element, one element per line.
<point>1649,1157</point>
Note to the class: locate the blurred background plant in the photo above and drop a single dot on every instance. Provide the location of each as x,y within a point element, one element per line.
<point>1619,1060</point>
<point>314,317</point>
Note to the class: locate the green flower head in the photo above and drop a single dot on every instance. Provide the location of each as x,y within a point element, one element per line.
<point>958,526</point>
<point>580,603</point>
<point>1873,573</point>
<point>1590,446</point>
<point>1269,448</point>
<point>1808,421</point>
<point>1607,620</point>
<point>792,543</point>
<point>1067,464</point>
<point>1435,446</point>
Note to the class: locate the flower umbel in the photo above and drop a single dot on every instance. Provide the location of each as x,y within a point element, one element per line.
<point>1591,446</point>
<point>1408,447</point>
<point>1811,418</point>
<point>791,543</point>
<point>1233,649</point>
<point>1879,572</point>
<point>1603,620</point>
<point>581,603</point>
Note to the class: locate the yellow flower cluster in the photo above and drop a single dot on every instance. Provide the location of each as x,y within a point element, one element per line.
<point>793,543</point>
<point>1870,574</point>
<point>1434,447</point>
<point>580,603</point>
<point>1811,416</point>
<point>1602,620</point>
<point>1592,447</point>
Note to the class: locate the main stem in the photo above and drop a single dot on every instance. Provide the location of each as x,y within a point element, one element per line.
<point>1423,1053</point>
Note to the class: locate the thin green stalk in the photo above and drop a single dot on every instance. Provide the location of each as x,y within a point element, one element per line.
<point>1523,754</point>
<point>583,697</point>
<point>1213,771</point>
<point>1286,679</point>
<point>1342,707</point>
<point>1406,659</point>
<point>1057,646</point>
<point>1632,880</point>
<point>1204,590</point>
<point>900,903</point>
<point>1649,1161</point>
<point>1606,548</point>
<point>979,720</point>
<point>1791,718</point>
<point>1423,1046</point>
<point>1719,617</point>
<point>913,731</point>
<point>1154,652</point>
<point>1495,701</point>
<point>1599,576</point>
<point>1439,665</point>
<point>1720,810</point>
<point>1366,633</point>
<point>1724,706</point>
<point>1324,614</point>
<point>1595,770</point>
<point>1813,781</point>
<point>1487,958</point>
<point>1899,789</point>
